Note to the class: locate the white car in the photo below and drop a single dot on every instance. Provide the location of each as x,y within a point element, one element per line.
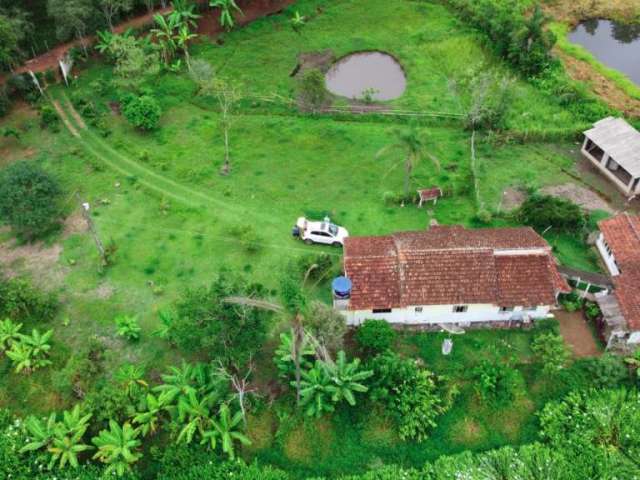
<point>323,232</point>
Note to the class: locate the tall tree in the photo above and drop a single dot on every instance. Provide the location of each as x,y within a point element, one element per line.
<point>14,28</point>
<point>412,144</point>
<point>112,9</point>
<point>71,18</point>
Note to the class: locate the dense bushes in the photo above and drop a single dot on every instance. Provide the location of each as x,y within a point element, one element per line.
<point>520,39</point>
<point>29,200</point>
<point>544,211</point>
<point>224,330</point>
<point>21,301</point>
<point>142,112</point>
<point>412,395</point>
<point>375,336</point>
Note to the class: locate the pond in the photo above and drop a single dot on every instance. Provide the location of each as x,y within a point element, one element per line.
<point>367,74</point>
<point>615,44</point>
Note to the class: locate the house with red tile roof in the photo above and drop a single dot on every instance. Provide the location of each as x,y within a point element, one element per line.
<point>619,245</point>
<point>450,275</point>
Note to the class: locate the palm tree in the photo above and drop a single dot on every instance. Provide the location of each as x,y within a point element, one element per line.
<point>410,143</point>
<point>226,429</point>
<point>9,333</point>
<point>131,378</point>
<point>314,391</point>
<point>117,448</point>
<point>346,378</point>
<point>227,9</point>
<point>149,419</point>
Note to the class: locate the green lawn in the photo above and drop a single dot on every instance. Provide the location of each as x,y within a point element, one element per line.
<point>175,220</point>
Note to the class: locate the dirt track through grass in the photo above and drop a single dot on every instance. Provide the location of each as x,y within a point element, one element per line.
<point>150,179</point>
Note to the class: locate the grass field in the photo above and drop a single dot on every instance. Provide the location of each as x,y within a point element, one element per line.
<point>175,220</point>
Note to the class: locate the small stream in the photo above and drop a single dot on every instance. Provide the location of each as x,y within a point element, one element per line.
<point>615,44</point>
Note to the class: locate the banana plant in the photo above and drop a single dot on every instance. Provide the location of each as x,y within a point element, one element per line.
<point>182,39</point>
<point>9,334</point>
<point>314,391</point>
<point>40,432</point>
<point>195,415</point>
<point>62,440</point>
<point>346,378</point>
<point>164,35</point>
<point>227,9</point>
<point>131,378</point>
<point>39,344</point>
<point>226,429</point>
<point>183,14</point>
<point>22,358</point>
<point>149,419</point>
<point>117,448</point>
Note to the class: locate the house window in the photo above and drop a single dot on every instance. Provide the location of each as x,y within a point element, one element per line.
<point>460,308</point>
<point>506,309</point>
<point>381,310</point>
<point>418,309</point>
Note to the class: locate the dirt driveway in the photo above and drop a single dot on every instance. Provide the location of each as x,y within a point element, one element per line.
<point>577,334</point>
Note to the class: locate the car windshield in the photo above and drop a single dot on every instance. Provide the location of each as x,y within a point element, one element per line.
<point>333,230</point>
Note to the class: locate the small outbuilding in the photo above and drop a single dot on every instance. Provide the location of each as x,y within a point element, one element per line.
<point>619,245</point>
<point>613,146</point>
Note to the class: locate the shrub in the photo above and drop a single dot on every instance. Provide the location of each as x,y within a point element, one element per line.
<point>498,380</point>
<point>49,118</point>
<point>327,325</point>
<point>607,371</point>
<point>544,211</point>
<point>248,238</point>
<point>551,351</point>
<point>142,112</point>
<point>375,336</point>
<point>205,323</point>
<point>20,300</point>
<point>592,310</point>
<point>571,302</point>
<point>312,92</point>
<point>29,199</point>
<point>128,327</point>
<point>414,396</point>
<point>315,266</point>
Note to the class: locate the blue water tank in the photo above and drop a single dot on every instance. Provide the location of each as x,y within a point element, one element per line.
<point>341,287</point>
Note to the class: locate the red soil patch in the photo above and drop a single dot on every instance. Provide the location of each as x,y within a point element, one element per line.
<point>577,334</point>
<point>207,25</point>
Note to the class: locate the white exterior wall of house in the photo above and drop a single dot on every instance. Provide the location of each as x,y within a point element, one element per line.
<point>607,255</point>
<point>627,189</point>
<point>436,314</point>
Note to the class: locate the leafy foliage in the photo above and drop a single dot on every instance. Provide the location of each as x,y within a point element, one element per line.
<point>551,350</point>
<point>497,380</point>
<point>19,299</point>
<point>544,211</point>
<point>118,448</point>
<point>312,92</point>
<point>326,325</point>
<point>128,327</point>
<point>30,352</point>
<point>227,10</point>
<point>375,336</point>
<point>143,112</point>
<point>226,331</point>
<point>413,396</point>
<point>29,199</point>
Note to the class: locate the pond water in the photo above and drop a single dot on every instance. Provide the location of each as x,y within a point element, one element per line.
<point>617,45</point>
<point>377,73</point>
